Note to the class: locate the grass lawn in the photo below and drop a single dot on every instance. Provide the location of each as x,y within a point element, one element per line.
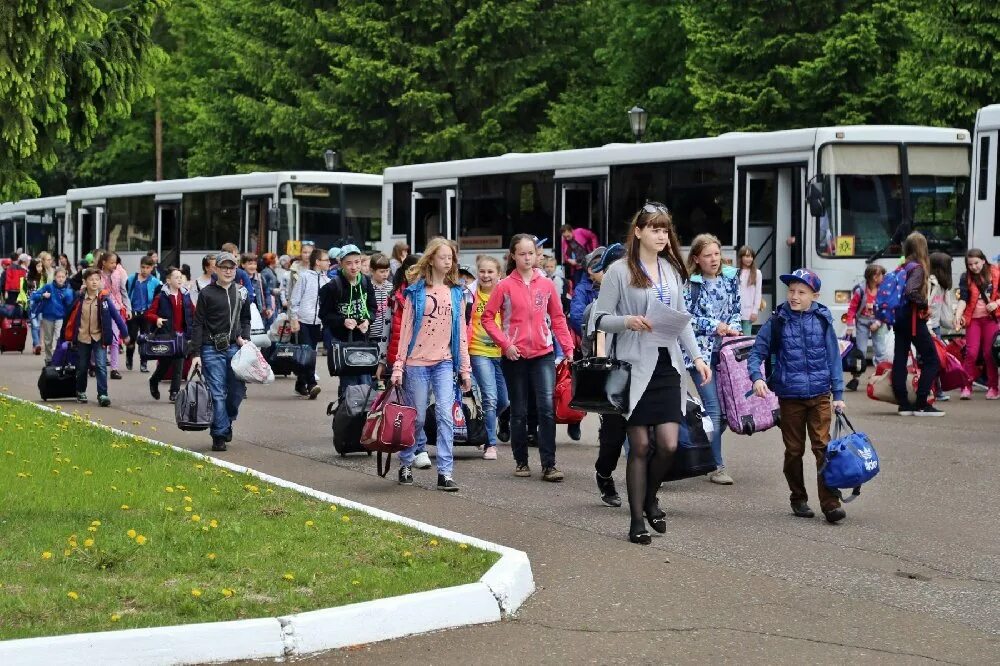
<point>100,531</point>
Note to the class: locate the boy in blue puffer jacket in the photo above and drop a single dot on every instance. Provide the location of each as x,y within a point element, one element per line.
<point>53,302</point>
<point>803,380</point>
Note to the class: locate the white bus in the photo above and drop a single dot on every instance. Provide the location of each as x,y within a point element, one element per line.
<point>985,222</point>
<point>186,218</point>
<point>32,225</point>
<point>746,188</point>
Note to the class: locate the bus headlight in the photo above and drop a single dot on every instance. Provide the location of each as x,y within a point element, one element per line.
<point>842,296</point>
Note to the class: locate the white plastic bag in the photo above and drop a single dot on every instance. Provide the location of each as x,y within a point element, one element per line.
<point>281,329</point>
<point>250,366</point>
<point>258,334</point>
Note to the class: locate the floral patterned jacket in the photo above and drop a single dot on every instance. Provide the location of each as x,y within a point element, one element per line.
<point>718,301</point>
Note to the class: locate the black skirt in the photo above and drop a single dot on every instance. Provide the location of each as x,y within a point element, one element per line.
<point>661,401</point>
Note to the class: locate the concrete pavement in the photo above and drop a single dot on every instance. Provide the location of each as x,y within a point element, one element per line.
<point>912,575</point>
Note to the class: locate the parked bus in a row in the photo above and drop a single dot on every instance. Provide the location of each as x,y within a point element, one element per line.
<point>868,185</point>
<point>184,219</point>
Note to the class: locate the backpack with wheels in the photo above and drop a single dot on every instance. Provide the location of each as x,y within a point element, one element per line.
<point>193,407</point>
<point>349,415</point>
<point>745,412</point>
<point>849,461</point>
<point>57,382</point>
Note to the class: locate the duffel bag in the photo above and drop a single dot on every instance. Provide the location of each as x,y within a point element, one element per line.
<point>849,461</point>
<point>694,455</point>
<point>57,382</point>
<point>469,418</point>
<point>193,407</point>
<point>352,358</point>
<point>292,357</point>
<point>391,426</point>
<point>349,415</point>
<point>162,344</point>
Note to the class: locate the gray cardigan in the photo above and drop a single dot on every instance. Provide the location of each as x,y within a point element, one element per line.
<point>618,299</point>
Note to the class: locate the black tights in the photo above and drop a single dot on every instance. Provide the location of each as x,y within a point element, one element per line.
<point>644,472</point>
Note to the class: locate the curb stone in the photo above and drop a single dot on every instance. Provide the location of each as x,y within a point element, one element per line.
<point>499,592</point>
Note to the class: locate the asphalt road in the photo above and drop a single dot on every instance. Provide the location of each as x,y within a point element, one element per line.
<point>912,574</point>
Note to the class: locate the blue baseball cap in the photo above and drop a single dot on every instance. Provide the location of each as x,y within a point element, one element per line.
<point>805,276</point>
<point>349,249</point>
<point>614,252</point>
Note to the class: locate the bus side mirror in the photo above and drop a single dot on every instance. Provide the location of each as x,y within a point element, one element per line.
<point>814,197</point>
<point>274,218</point>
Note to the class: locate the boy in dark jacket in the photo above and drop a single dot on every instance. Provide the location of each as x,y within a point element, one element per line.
<point>347,304</point>
<point>172,311</point>
<point>803,379</point>
<point>89,327</point>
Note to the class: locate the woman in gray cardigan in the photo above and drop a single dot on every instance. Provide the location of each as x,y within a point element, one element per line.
<point>651,270</point>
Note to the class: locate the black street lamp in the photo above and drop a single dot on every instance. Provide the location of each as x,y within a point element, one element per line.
<point>637,117</point>
<point>330,157</point>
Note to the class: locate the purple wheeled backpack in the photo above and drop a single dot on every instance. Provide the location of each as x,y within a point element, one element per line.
<point>745,413</point>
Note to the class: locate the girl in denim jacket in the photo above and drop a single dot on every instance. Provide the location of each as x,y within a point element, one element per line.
<point>713,299</point>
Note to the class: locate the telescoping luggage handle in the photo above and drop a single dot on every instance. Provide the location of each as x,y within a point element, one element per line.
<point>838,427</point>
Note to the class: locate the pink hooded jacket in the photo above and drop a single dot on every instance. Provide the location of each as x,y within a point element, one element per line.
<point>522,309</point>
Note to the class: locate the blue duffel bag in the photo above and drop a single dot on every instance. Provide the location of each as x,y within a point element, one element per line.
<point>849,461</point>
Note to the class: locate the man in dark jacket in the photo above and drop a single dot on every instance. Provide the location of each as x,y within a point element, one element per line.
<point>347,304</point>
<point>221,327</point>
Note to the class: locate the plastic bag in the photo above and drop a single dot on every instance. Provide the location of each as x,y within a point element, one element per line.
<point>250,365</point>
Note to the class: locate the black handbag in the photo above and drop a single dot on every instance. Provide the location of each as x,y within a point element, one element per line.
<point>601,383</point>
<point>350,358</point>
<point>286,358</point>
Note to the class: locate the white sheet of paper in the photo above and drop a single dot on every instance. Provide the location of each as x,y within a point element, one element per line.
<point>667,322</point>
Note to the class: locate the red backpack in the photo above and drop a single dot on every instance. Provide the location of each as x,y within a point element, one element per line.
<point>12,278</point>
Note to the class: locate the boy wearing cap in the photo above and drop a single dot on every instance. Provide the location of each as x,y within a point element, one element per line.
<point>803,380</point>
<point>347,303</point>
<point>221,327</point>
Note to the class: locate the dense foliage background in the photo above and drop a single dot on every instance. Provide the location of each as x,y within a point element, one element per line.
<point>239,85</point>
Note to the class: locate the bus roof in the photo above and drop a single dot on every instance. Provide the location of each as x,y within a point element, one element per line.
<point>988,118</point>
<point>25,205</point>
<point>231,182</point>
<point>725,145</point>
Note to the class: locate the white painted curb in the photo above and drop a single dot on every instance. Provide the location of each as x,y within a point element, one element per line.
<point>500,591</point>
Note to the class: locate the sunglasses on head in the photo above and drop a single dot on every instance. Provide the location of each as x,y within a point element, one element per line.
<point>654,207</point>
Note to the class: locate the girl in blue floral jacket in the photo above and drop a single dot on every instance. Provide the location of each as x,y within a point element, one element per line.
<point>713,299</point>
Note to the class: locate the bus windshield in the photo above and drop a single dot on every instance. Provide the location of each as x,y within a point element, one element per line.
<point>865,190</point>
<point>334,215</point>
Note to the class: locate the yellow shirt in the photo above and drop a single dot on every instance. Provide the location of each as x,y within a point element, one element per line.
<point>481,344</point>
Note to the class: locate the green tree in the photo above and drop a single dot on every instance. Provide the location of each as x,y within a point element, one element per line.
<point>65,65</point>
<point>952,68</point>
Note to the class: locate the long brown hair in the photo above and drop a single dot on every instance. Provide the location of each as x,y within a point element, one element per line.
<point>422,269</point>
<point>662,219</point>
<point>983,277</point>
<point>698,245</point>
<point>915,249</point>
<point>517,238</point>
<point>752,275</point>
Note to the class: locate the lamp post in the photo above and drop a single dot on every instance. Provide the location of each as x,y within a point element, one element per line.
<point>330,158</point>
<point>637,117</point>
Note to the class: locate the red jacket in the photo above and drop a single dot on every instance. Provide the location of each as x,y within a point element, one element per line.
<point>970,294</point>
<point>392,349</point>
<point>856,307</point>
<point>522,309</point>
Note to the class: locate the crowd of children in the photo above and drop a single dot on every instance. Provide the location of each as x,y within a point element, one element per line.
<point>442,328</point>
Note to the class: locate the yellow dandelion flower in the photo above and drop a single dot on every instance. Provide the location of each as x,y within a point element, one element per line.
<point>132,534</point>
<point>333,507</point>
<point>195,593</point>
<point>226,592</point>
<point>355,582</point>
<point>204,528</point>
<point>180,487</point>
<point>46,555</point>
<point>169,489</point>
<point>407,553</point>
<point>289,576</point>
<point>346,519</point>
<point>199,466</point>
<point>136,422</point>
<point>124,507</point>
<point>309,523</point>
<point>88,543</point>
<point>72,595</point>
<point>114,487</point>
<point>141,540</point>
<point>188,509</point>
<point>463,546</point>
<point>115,617</point>
<point>153,428</point>
<point>95,523</point>
<point>195,518</point>
<point>55,471</point>
<point>22,475</point>
<point>124,422</point>
<point>433,542</point>
<point>91,529</point>
<point>170,508</point>
<point>188,499</point>
<point>87,472</point>
<point>211,556</point>
<point>213,523</point>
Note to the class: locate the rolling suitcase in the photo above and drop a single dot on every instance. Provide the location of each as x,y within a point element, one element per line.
<point>57,382</point>
<point>745,413</point>
<point>349,416</point>
<point>13,333</point>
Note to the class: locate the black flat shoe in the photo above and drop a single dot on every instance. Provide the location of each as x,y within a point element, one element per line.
<point>640,537</point>
<point>657,522</point>
<point>154,388</point>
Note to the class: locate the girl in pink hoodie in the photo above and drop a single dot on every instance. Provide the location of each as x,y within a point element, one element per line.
<point>522,299</point>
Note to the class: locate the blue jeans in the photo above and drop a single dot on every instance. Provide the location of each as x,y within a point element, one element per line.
<point>525,377</point>
<point>862,334</point>
<point>226,389</point>
<point>83,354</point>
<point>709,395</point>
<point>420,381</point>
<point>488,373</point>
<point>312,335</point>
<point>36,330</point>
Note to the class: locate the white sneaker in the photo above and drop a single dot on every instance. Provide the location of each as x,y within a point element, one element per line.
<point>490,453</point>
<point>721,477</point>
<point>422,461</point>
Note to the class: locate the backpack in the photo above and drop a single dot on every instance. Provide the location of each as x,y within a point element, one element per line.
<point>12,278</point>
<point>891,295</point>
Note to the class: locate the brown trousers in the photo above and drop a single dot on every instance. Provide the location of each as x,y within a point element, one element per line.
<point>796,416</point>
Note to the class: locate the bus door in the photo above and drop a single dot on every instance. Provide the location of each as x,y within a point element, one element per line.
<point>255,236</point>
<point>583,203</point>
<point>432,214</point>
<point>770,222</point>
<point>168,233</point>
<point>90,228</point>
<point>984,231</point>
<point>7,246</point>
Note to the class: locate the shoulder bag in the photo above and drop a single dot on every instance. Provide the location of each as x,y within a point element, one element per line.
<point>350,358</point>
<point>601,384</point>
